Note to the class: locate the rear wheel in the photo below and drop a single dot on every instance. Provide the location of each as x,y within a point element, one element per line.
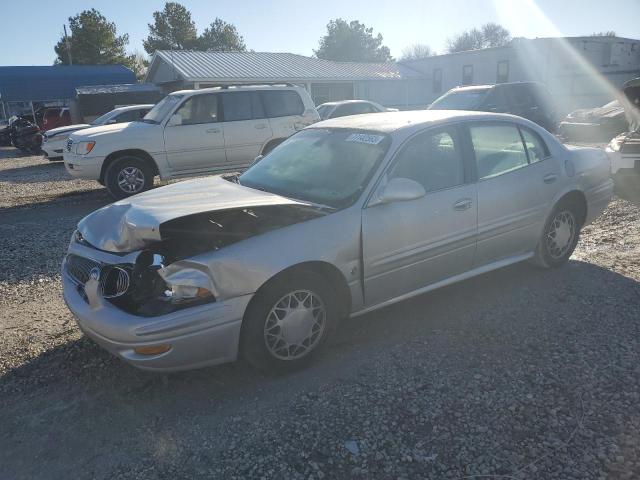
<point>127,176</point>
<point>560,236</point>
<point>288,322</point>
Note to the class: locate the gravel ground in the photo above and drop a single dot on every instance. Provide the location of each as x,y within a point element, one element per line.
<point>517,374</point>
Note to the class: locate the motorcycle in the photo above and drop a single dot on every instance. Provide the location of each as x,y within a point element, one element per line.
<point>5,140</point>
<point>25,135</point>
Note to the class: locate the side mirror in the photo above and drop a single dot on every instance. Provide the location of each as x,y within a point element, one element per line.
<point>175,120</point>
<point>399,190</point>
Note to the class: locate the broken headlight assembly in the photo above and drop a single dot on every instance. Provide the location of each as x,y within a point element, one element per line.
<point>152,293</point>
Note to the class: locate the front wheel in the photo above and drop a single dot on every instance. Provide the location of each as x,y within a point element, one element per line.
<point>559,238</point>
<point>288,322</point>
<point>127,176</point>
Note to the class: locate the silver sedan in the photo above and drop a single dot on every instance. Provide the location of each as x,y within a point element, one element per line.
<point>345,217</point>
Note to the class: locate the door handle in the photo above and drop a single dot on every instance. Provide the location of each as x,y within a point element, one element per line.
<point>550,178</point>
<point>213,130</point>
<point>260,126</point>
<point>463,204</point>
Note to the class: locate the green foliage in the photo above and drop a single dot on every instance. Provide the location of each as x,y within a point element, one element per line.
<point>93,41</point>
<point>221,35</point>
<point>489,35</point>
<point>172,28</point>
<point>352,42</point>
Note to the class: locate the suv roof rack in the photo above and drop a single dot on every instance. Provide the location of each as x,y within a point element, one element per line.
<point>259,84</point>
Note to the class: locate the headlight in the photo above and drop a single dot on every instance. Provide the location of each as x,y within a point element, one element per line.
<point>83,148</point>
<point>186,294</point>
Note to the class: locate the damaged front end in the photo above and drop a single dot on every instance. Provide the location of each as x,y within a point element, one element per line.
<point>158,277</point>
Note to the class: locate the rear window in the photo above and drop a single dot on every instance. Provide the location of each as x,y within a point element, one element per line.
<point>282,103</point>
<point>460,100</point>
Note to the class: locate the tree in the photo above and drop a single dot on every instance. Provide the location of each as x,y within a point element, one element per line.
<point>93,41</point>
<point>172,29</point>
<point>351,42</point>
<point>221,35</point>
<point>416,52</point>
<point>139,63</point>
<point>608,33</point>
<point>489,35</point>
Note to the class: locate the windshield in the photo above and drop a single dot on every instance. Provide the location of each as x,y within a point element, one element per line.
<point>162,109</point>
<point>323,111</point>
<point>460,100</point>
<point>102,119</point>
<point>327,166</point>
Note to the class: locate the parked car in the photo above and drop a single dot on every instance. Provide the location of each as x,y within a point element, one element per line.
<point>345,217</point>
<point>529,100</point>
<point>594,124</point>
<point>55,140</point>
<point>55,117</point>
<point>190,132</point>
<point>624,150</point>
<point>350,107</point>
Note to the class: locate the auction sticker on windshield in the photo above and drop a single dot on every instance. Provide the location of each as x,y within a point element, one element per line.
<point>365,138</point>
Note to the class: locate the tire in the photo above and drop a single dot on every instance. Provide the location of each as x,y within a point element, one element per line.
<point>269,347</point>
<point>128,175</point>
<point>559,237</point>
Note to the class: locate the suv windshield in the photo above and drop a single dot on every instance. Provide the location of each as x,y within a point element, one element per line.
<point>327,166</point>
<point>162,109</point>
<point>460,100</point>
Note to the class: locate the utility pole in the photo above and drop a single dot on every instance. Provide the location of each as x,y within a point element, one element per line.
<point>66,42</point>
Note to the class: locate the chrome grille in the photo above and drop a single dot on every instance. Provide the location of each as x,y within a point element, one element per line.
<point>79,268</point>
<point>69,143</point>
<point>114,280</point>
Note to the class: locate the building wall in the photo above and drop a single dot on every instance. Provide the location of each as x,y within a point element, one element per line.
<point>579,72</point>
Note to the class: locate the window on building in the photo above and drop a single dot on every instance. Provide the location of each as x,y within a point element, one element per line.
<point>282,103</point>
<point>437,80</point>
<point>502,74</point>
<point>467,75</point>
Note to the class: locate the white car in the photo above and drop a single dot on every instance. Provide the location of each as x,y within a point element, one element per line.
<point>190,132</point>
<point>345,108</point>
<point>54,140</point>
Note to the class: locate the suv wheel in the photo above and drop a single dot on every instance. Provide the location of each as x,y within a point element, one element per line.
<point>127,176</point>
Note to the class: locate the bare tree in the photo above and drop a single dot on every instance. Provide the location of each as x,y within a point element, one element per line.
<point>416,52</point>
<point>608,33</point>
<point>489,35</point>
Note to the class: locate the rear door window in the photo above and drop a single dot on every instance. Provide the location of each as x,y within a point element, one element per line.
<point>498,149</point>
<point>537,150</point>
<point>282,103</point>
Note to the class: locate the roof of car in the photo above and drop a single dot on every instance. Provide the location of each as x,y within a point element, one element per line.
<point>388,122</point>
<point>236,88</point>
<point>343,102</point>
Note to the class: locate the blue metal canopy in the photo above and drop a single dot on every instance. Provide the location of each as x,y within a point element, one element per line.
<point>58,82</point>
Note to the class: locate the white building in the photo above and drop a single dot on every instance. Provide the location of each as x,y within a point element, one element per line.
<point>578,71</point>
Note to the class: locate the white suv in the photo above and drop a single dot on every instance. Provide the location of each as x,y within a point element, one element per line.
<point>188,133</point>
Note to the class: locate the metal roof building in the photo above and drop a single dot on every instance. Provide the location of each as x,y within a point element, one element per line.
<point>389,83</point>
<point>22,86</point>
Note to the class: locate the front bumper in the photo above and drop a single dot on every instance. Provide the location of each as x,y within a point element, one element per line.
<point>198,336</point>
<point>54,148</point>
<point>82,166</point>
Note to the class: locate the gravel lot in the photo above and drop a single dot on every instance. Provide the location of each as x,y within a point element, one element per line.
<point>518,374</point>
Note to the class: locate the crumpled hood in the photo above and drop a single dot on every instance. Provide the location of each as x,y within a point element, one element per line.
<point>96,132</point>
<point>133,223</point>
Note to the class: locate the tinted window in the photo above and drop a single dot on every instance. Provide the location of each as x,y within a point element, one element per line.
<point>353,109</point>
<point>241,106</point>
<point>282,103</point>
<point>199,109</point>
<point>129,116</point>
<point>520,96</point>
<point>536,148</point>
<point>460,100</point>
<point>433,159</point>
<point>498,149</point>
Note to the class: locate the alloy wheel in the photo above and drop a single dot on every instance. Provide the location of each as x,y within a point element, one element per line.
<point>131,180</point>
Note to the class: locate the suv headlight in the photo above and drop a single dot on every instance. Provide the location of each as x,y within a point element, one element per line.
<point>83,148</point>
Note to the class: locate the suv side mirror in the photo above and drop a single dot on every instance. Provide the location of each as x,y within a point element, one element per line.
<point>399,190</point>
<point>175,120</point>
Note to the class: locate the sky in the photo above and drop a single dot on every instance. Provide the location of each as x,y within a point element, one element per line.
<point>30,29</point>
